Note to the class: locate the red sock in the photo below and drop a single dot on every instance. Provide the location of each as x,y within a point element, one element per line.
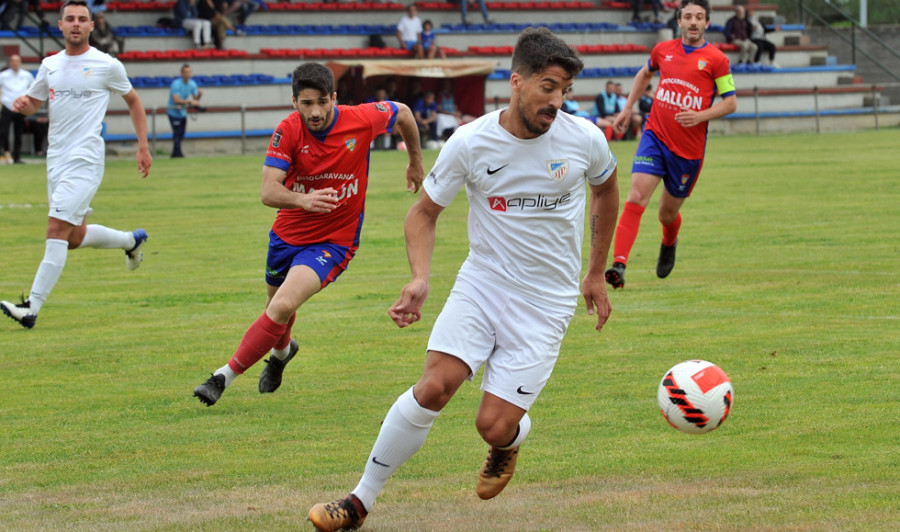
<point>257,341</point>
<point>608,131</point>
<point>626,231</point>
<point>670,232</point>
<point>286,337</point>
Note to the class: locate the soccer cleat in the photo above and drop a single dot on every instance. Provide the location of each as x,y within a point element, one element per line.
<point>210,391</point>
<point>134,256</point>
<point>344,514</point>
<point>666,260</point>
<point>270,378</point>
<point>21,312</point>
<point>496,472</point>
<point>616,275</point>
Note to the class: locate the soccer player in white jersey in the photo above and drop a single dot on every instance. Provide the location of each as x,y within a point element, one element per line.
<point>526,170</point>
<point>78,82</point>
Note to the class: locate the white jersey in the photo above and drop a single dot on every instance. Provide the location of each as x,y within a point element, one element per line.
<point>526,200</point>
<point>78,89</point>
<point>13,84</point>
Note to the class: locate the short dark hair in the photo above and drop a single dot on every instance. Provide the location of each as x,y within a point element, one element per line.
<point>701,3</point>
<point>312,76</point>
<point>538,48</point>
<point>83,3</point>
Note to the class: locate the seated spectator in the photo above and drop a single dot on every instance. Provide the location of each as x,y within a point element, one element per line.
<point>449,116</point>
<point>645,104</point>
<point>464,11</point>
<point>636,6</point>
<point>425,111</point>
<point>758,36</point>
<point>409,32</point>
<point>14,12</point>
<point>429,43</point>
<point>636,118</point>
<point>104,37</point>
<point>737,32</point>
<point>186,15</point>
<point>241,9</point>
<point>607,107</point>
<point>211,10</point>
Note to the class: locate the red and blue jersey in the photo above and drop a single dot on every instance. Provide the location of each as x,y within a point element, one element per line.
<point>688,78</point>
<point>337,157</point>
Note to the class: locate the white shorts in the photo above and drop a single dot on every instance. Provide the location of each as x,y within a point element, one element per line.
<point>70,189</point>
<point>516,341</point>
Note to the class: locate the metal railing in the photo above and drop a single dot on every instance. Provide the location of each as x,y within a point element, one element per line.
<point>44,31</point>
<point>804,9</point>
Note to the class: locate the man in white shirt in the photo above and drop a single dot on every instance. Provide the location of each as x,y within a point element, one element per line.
<point>77,82</point>
<point>409,32</point>
<point>524,169</point>
<point>14,81</point>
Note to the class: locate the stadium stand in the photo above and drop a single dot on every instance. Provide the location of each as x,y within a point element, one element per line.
<point>254,73</point>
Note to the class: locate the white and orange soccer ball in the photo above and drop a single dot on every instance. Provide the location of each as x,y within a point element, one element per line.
<point>695,396</point>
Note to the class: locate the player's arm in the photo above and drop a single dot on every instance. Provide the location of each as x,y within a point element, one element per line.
<point>641,80</point>
<point>725,106</point>
<point>420,228</point>
<point>604,207</point>
<point>409,132</point>
<point>274,194</point>
<point>27,105</point>
<point>139,119</point>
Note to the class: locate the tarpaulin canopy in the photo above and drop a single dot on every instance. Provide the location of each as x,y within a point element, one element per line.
<point>420,68</point>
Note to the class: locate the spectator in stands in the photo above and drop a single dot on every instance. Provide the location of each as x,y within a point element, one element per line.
<point>425,112</point>
<point>636,118</point>
<point>758,36</point>
<point>607,107</point>
<point>13,13</point>
<point>414,92</point>
<point>104,37</point>
<point>409,32</point>
<point>737,32</point>
<point>241,9</point>
<point>38,125</point>
<point>645,103</point>
<point>385,141</point>
<point>464,11</point>
<point>183,93</point>
<point>430,48</point>
<point>186,15</point>
<point>14,82</point>
<point>393,92</point>
<point>211,10</point>
<point>449,116</point>
<point>636,6</point>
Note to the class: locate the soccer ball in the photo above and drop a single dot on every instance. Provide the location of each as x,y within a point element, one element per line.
<point>695,396</point>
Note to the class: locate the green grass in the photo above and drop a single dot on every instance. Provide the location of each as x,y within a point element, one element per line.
<point>788,277</point>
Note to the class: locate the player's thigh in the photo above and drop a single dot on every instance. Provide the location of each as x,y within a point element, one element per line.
<point>70,189</point>
<point>300,284</point>
<point>528,341</point>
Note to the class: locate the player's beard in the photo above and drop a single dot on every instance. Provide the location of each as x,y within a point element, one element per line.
<point>534,127</point>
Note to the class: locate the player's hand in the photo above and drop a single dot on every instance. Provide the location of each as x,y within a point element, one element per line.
<point>593,288</point>
<point>408,309</point>
<point>324,200</point>
<point>415,174</point>
<point>622,121</point>
<point>688,117</point>
<point>20,103</point>
<point>144,160</point>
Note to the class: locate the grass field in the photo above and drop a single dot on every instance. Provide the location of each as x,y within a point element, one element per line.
<point>788,277</point>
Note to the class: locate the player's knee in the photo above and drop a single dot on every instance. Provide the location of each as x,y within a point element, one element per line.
<point>433,393</point>
<point>497,431</point>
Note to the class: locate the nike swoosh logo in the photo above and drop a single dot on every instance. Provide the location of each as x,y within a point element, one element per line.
<point>375,460</point>
<point>495,170</point>
<point>519,390</point>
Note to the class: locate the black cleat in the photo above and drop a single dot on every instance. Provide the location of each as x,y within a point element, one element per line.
<point>270,378</point>
<point>616,275</point>
<point>21,312</point>
<point>666,260</point>
<point>210,391</point>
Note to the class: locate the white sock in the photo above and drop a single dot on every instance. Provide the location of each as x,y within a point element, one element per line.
<point>55,253</point>
<point>402,434</point>
<point>524,429</point>
<point>282,354</point>
<point>99,236</point>
<point>228,373</point>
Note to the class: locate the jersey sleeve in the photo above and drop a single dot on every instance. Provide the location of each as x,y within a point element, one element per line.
<point>602,162</point>
<point>449,172</point>
<point>382,115</point>
<point>40,88</point>
<point>280,153</point>
<point>118,81</point>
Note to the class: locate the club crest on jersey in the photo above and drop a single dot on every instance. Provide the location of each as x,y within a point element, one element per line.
<point>381,107</point>
<point>87,72</point>
<point>701,64</point>
<point>276,138</point>
<point>350,143</point>
<point>558,169</point>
